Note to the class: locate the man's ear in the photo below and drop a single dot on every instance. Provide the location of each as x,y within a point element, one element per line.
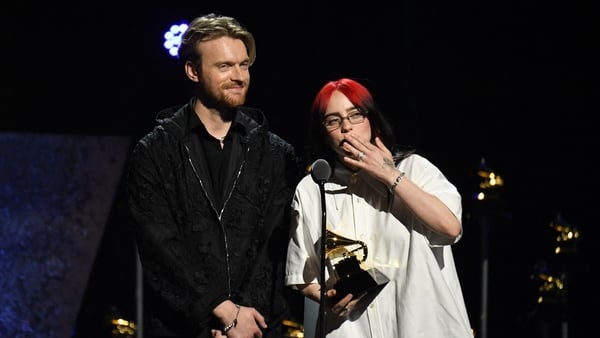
<point>192,71</point>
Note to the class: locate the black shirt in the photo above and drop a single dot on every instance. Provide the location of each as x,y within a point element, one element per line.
<point>217,158</point>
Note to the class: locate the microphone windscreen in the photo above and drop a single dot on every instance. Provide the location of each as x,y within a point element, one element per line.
<point>320,171</point>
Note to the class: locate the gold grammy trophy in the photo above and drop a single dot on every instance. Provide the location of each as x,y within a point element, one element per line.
<point>345,256</point>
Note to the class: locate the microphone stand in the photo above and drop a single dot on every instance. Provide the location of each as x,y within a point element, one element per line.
<point>320,172</point>
<point>322,304</point>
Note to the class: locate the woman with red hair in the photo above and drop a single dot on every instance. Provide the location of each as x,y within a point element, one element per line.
<point>395,202</point>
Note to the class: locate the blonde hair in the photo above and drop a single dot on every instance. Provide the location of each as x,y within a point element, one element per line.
<point>210,27</point>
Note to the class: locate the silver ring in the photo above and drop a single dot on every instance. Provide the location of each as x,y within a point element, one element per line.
<point>345,309</point>
<point>360,155</point>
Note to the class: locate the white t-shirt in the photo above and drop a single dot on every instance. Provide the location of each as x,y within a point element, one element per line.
<point>423,297</point>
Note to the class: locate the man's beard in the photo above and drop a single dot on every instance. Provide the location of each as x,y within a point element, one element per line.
<point>221,99</point>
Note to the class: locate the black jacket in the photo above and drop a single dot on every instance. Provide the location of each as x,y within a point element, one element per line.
<point>195,256</point>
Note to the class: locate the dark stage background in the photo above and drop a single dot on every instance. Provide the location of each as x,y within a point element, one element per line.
<point>514,83</point>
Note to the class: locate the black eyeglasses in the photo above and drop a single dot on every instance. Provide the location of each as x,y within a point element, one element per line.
<point>335,120</point>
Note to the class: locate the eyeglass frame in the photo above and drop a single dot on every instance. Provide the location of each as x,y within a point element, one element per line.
<point>358,112</point>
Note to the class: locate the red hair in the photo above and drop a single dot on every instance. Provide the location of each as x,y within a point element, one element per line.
<point>354,91</point>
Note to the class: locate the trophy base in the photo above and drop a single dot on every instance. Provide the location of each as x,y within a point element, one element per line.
<point>358,282</point>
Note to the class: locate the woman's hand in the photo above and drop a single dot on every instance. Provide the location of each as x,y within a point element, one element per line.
<point>344,307</point>
<point>373,159</point>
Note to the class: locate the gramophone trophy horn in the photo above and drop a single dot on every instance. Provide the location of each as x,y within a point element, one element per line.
<point>345,256</point>
<point>337,246</point>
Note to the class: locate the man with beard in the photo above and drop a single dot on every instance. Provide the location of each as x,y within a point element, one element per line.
<point>209,191</point>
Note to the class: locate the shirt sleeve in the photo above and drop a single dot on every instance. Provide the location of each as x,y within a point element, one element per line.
<point>431,179</point>
<point>303,260</point>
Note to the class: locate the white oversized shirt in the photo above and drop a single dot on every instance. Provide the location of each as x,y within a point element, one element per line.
<point>423,298</point>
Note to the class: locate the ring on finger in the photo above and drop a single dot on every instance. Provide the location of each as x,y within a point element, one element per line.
<point>360,155</point>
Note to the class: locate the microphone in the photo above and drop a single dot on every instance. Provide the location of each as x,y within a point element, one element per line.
<point>320,171</point>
